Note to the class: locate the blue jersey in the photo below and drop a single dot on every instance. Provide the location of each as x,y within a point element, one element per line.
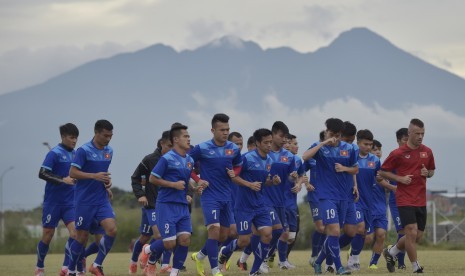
<point>90,159</point>
<point>331,184</point>
<point>310,165</point>
<point>213,163</point>
<point>283,165</point>
<point>58,161</point>
<point>379,205</point>
<point>368,167</point>
<point>254,168</point>
<point>173,167</point>
<point>291,198</point>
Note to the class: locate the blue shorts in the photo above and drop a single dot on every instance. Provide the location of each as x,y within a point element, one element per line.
<point>278,216</point>
<point>216,212</point>
<point>173,219</point>
<point>364,215</point>
<point>96,228</point>
<point>232,217</point>
<point>394,212</point>
<point>52,214</point>
<point>291,218</point>
<point>379,221</point>
<point>147,221</point>
<point>86,214</point>
<point>314,208</point>
<point>259,217</point>
<point>351,215</point>
<point>333,211</point>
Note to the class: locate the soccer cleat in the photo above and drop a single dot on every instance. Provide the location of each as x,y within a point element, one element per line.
<point>165,269</point>
<point>312,261</point>
<point>63,271</point>
<point>132,268</point>
<point>96,270</point>
<point>373,267</point>
<point>73,274</point>
<point>390,262</point>
<point>353,267</point>
<point>242,266</point>
<point>218,273</point>
<point>343,271</point>
<point>317,268</point>
<point>143,257</point>
<point>39,272</point>
<point>264,268</point>
<point>222,259</point>
<point>228,264</point>
<point>330,269</point>
<point>271,260</point>
<point>150,270</point>
<point>286,265</point>
<point>256,273</point>
<point>419,270</point>
<point>402,267</point>
<point>198,264</point>
<point>183,269</point>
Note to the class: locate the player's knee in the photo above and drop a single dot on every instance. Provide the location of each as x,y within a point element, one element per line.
<point>369,239</point>
<point>143,239</point>
<point>320,228</point>
<point>169,245</point>
<point>111,231</point>
<point>243,242</point>
<point>184,240</point>
<point>47,235</point>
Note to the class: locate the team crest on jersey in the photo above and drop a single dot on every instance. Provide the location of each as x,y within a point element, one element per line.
<point>107,155</point>
<point>268,167</point>
<point>371,164</point>
<point>407,156</point>
<point>189,165</point>
<point>229,151</point>
<point>344,153</point>
<point>284,159</point>
<point>423,154</point>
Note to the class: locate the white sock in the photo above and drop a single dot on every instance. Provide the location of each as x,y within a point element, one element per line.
<point>132,262</point>
<point>200,256</point>
<point>64,267</point>
<point>357,259</point>
<point>164,265</point>
<point>415,265</point>
<point>215,270</point>
<point>147,250</point>
<point>244,257</point>
<point>174,272</point>
<point>394,251</point>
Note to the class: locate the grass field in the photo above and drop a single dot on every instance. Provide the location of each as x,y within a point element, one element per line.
<point>435,263</point>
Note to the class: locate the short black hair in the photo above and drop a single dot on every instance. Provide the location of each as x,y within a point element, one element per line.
<point>101,125</point>
<point>348,129</point>
<point>69,129</point>
<point>250,141</point>
<point>176,130</point>
<point>377,144</point>
<point>417,122</point>
<point>291,136</point>
<point>260,133</point>
<point>334,125</point>
<point>322,136</point>
<point>279,126</point>
<point>165,136</point>
<point>401,132</point>
<point>234,134</point>
<point>364,134</point>
<point>219,117</point>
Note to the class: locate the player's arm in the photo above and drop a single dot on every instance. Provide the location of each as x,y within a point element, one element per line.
<point>406,179</point>
<point>76,173</point>
<point>350,170</point>
<point>255,186</point>
<point>385,184</point>
<point>308,154</point>
<point>49,176</point>
<point>156,180</point>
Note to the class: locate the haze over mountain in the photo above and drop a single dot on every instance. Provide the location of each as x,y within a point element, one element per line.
<point>360,77</point>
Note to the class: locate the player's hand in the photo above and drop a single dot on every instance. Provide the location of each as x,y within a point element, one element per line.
<point>199,190</point>
<point>110,194</point>
<point>231,173</point>
<point>103,177</point>
<point>356,194</point>
<point>143,201</point>
<point>310,187</point>
<point>294,175</point>
<point>331,141</point>
<point>108,185</point>
<point>189,199</point>
<point>179,185</point>
<point>255,186</point>
<point>276,180</point>
<point>296,189</point>
<point>305,179</point>
<point>69,180</point>
<point>339,167</point>
<point>424,171</point>
<point>407,179</point>
<point>203,184</point>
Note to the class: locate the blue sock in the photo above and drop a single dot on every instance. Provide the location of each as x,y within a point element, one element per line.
<point>91,249</point>
<point>322,254</point>
<point>180,256</point>
<point>344,240</point>
<point>212,252</point>
<point>357,245</point>
<point>316,243</point>
<point>230,248</point>
<point>166,257</point>
<point>42,250</point>
<point>67,245</point>
<point>157,248</point>
<point>401,255</point>
<point>104,248</point>
<point>334,250</point>
<point>254,241</point>
<point>75,254</point>
<point>374,258</point>
<point>204,249</point>
<point>275,234</point>
<point>136,251</point>
<point>282,250</point>
<point>260,252</point>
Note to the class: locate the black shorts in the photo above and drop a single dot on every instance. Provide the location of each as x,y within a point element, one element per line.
<point>411,215</point>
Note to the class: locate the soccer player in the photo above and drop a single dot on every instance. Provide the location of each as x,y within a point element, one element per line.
<point>90,168</point>
<point>172,174</point>
<point>220,160</point>
<point>147,197</point>
<point>250,143</point>
<point>413,163</point>
<point>251,213</point>
<point>59,195</point>
<point>336,163</point>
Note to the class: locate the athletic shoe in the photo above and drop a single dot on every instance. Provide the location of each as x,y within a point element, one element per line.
<point>132,268</point>
<point>390,261</point>
<point>402,267</point>
<point>198,264</point>
<point>264,268</point>
<point>419,270</point>
<point>353,267</point>
<point>222,259</point>
<point>143,257</point>
<point>285,265</point>
<point>343,271</point>
<point>39,272</point>
<point>183,269</point>
<point>242,266</point>
<point>317,268</point>
<point>228,263</point>
<point>96,270</point>
<point>70,274</point>
<point>256,273</point>
<point>373,267</point>
<point>150,270</point>
<point>312,261</point>
<point>63,271</point>
<point>271,260</point>
<point>218,273</point>
<point>331,269</point>
<point>165,269</point>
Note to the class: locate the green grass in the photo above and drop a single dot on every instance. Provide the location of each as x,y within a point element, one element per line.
<point>436,262</point>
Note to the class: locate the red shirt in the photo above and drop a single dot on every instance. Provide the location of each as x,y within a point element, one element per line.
<point>406,161</point>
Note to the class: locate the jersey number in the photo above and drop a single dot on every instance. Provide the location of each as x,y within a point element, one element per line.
<point>272,216</point>
<point>154,217</point>
<point>167,228</point>
<point>146,228</point>
<point>244,225</point>
<point>214,214</point>
<point>80,219</point>
<point>330,213</point>
<point>49,218</point>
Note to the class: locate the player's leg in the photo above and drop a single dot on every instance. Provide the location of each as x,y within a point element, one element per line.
<point>68,219</point>
<point>283,242</point>
<point>293,234</point>
<point>364,220</point>
<point>399,228</point>
<point>183,230</point>
<point>260,246</point>
<point>318,236</point>
<point>50,219</point>
<point>145,230</point>
<point>277,230</point>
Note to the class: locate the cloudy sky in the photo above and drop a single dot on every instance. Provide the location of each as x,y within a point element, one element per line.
<point>42,38</point>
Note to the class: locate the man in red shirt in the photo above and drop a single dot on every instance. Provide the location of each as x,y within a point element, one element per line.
<point>413,163</point>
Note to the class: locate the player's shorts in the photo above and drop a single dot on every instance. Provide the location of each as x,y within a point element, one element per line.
<point>333,211</point>
<point>147,221</point>
<point>278,216</point>
<point>216,212</point>
<point>314,208</point>
<point>411,215</point>
<point>394,212</point>
<point>232,217</point>
<point>364,215</point>
<point>96,228</point>
<point>351,215</point>
<point>258,217</point>
<point>292,216</point>
<point>173,219</point>
<point>52,214</point>
<point>379,221</point>
<point>86,214</point>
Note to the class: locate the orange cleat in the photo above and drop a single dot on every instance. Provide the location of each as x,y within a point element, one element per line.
<point>96,270</point>
<point>132,268</point>
<point>39,272</point>
<point>143,257</point>
<point>165,269</point>
<point>150,270</point>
